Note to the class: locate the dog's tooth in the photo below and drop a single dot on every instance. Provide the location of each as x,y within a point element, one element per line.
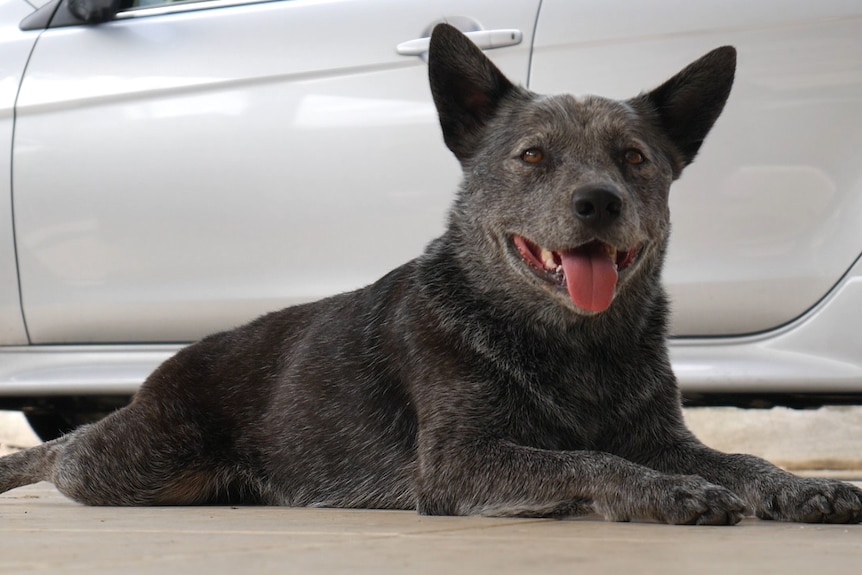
<point>548,259</point>
<point>612,252</point>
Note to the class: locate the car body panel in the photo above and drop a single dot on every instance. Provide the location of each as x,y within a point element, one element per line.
<point>15,48</point>
<point>193,188</point>
<point>766,220</point>
<point>821,352</point>
<point>817,353</point>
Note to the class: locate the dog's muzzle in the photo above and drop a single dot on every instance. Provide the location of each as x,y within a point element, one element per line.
<point>589,272</point>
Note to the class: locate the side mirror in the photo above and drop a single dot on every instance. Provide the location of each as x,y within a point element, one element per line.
<point>94,11</point>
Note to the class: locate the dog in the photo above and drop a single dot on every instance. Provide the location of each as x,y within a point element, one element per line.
<point>518,367</point>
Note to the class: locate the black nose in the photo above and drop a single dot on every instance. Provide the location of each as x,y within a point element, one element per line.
<point>597,205</point>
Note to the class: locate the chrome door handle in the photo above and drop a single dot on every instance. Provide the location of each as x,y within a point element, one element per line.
<point>484,39</point>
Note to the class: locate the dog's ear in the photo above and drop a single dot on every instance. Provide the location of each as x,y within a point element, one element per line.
<point>688,104</point>
<point>467,88</point>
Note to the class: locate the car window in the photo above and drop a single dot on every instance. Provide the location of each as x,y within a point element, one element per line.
<point>130,7</point>
<point>134,4</point>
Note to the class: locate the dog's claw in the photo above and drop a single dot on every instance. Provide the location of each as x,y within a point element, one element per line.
<point>722,518</point>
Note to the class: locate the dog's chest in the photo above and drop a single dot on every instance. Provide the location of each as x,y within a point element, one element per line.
<point>583,406</point>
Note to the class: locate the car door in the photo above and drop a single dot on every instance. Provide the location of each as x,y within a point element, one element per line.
<point>767,219</point>
<point>189,166</point>
<point>15,49</point>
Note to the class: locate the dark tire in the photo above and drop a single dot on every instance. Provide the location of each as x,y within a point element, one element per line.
<point>54,417</point>
<point>49,425</point>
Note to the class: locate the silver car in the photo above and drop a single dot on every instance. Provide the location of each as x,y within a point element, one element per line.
<point>185,166</point>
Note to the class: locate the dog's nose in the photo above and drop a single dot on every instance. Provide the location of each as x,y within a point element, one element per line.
<point>597,205</point>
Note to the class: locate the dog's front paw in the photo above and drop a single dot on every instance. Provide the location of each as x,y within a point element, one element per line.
<point>692,500</point>
<point>679,500</point>
<point>812,501</point>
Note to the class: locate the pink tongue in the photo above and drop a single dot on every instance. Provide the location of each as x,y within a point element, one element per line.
<point>591,277</point>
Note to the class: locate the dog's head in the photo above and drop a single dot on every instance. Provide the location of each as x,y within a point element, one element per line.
<point>570,195</point>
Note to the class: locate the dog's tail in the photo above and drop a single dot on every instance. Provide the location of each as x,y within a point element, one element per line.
<point>30,466</point>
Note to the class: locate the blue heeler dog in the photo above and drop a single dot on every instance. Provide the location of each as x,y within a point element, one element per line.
<point>517,367</point>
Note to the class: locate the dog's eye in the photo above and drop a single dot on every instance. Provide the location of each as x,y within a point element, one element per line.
<point>634,157</point>
<point>533,156</point>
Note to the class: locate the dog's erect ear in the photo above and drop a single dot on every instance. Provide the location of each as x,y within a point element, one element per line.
<point>688,104</point>
<point>467,88</point>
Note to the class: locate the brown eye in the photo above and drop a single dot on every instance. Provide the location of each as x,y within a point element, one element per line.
<point>533,156</point>
<point>634,157</point>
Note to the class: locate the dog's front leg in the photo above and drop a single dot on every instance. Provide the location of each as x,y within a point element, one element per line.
<point>494,477</point>
<point>769,492</point>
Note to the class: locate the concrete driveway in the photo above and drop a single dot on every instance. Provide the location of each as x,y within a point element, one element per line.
<point>42,532</point>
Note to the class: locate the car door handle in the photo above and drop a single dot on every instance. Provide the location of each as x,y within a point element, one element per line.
<point>484,39</point>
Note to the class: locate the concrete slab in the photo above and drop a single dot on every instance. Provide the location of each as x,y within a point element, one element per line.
<point>43,533</point>
<point>15,433</point>
<point>827,440</point>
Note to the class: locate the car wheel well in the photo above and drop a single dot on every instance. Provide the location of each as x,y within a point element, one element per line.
<point>52,417</point>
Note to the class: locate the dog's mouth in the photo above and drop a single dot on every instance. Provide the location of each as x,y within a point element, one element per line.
<point>589,272</point>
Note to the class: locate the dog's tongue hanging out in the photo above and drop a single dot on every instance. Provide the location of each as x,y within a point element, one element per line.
<point>591,276</point>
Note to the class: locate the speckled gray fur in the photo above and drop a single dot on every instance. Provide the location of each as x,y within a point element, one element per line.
<point>463,382</point>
